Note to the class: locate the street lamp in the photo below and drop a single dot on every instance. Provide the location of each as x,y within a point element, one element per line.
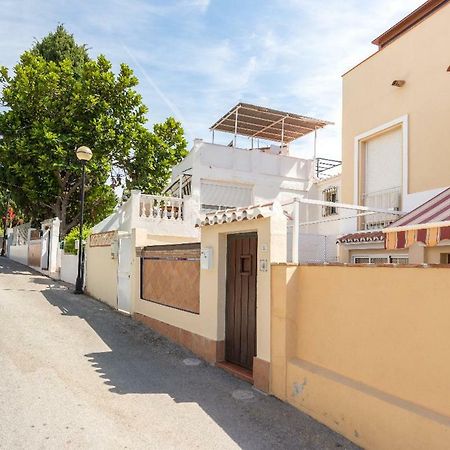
<point>5,223</point>
<point>84,154</point>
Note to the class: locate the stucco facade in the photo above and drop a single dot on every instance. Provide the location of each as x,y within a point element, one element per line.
<point>369,363</point>
<point>421,108</point>
<point>268,177</point>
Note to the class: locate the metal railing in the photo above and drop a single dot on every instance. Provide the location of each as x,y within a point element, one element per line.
<point>159,207</point>
<point>389,199</point>
<point>20,234</point>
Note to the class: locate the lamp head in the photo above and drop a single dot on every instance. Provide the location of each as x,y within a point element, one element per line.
<point>84,153</point>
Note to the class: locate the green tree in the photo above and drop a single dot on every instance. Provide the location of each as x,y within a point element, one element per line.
<point>149,167</point>
<point>58,99</point>
<point>59,46</point>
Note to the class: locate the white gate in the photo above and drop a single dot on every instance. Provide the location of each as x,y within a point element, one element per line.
<point>45,249</point>
<point>123,275</point>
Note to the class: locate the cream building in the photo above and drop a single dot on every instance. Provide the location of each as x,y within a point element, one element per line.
<point>396,110</point>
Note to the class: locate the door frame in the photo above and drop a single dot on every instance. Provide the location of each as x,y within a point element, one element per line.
<point>128,237</point>
<point>228,238</point>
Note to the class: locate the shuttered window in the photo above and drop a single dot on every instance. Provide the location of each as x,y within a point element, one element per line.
<point>383,162</point>
<point>215,196</point>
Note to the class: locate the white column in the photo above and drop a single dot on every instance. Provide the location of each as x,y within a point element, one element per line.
<point>136,209</point>
<point>295,231</point>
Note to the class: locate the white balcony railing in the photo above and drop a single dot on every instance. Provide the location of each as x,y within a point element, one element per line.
<point>158,207</point>
<point>388,199</point>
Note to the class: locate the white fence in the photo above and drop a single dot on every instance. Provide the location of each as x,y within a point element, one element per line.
<point>19,253</point>
<point>69,268</point>
<point>312,248</point>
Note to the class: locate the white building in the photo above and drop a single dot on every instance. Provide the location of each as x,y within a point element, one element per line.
<point>214,177</point>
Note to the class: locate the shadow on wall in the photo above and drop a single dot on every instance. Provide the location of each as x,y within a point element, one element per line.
<point>142,362</point>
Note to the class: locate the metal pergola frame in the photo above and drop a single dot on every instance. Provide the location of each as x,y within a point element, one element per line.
<point>273,125</point>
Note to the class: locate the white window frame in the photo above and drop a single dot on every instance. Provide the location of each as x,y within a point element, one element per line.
<point>327,211</point>
<point>361,138</point>
<point>388,256</point>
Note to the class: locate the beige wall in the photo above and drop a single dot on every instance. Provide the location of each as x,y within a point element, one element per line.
<point>374,252</point>
<point>101,274</point>
<point>416,254</point>
<point>365,351</point>
<point>420,57</point>
<point>210,323</point>
<point>143,238</point>
<point>433,254</point>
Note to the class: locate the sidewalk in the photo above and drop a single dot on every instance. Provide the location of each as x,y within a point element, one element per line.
<point>76,374</point>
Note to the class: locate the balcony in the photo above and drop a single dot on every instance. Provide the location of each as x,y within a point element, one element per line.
<point>158,215</point>
<point>158,207</point>
<point>388,199</point>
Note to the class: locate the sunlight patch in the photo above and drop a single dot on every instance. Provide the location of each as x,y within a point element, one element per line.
<point>241,394</point>
<point>191,362</point>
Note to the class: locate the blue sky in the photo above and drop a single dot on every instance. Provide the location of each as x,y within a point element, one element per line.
<point>197,58</point>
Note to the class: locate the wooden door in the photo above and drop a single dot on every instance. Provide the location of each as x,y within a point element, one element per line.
<point>240,316</point>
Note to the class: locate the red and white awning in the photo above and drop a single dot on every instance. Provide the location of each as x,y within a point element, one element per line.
<point>429,224</point>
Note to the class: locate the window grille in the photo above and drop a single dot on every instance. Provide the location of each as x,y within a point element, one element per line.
<point>329,195</point>
<point>384,259</point>
<point>399,259</point>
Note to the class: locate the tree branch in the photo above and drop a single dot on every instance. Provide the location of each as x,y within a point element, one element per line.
<point>73,222</point>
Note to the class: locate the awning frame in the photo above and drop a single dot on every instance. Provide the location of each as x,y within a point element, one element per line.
<point>273,125</point>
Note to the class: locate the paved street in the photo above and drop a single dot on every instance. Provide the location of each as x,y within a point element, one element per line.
<point>75,374</point>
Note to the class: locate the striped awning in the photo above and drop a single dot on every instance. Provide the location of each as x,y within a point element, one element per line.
<point>428,224</point>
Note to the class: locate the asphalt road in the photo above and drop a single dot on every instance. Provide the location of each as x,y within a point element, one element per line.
<point>75,374</point>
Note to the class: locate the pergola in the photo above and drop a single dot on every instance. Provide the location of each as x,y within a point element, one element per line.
<point>265,123</point>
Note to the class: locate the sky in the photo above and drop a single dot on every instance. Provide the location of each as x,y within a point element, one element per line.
<point>195,59</point>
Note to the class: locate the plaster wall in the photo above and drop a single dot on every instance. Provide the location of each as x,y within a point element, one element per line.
<point>101,274</point>
<point>420,57</point>
<point>417,254</point>
<point>19,253</point>
<point>69,268</point>
<point>433,254</point>
<point>127,217</point>
<point>178,318</point>
<point>369,363</point>
<point>328,225</point>
<point>273,177</point>
<point>210,322</point>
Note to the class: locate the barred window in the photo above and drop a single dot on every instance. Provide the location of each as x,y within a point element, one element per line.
<point>382,259</point>
<point>329,195</point>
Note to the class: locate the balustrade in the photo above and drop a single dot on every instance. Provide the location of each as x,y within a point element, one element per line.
<point>157,207</point>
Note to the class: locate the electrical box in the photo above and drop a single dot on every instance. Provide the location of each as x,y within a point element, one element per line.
<point>206,256</point>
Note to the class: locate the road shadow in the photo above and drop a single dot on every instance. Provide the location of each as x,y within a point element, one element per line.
<point>143,362</point>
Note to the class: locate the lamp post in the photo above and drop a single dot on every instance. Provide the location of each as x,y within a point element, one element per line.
<point>5,222</point>
<point>84,154</point>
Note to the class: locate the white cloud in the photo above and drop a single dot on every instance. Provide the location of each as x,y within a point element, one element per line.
<point>202,5</point>
<point>195,60</point>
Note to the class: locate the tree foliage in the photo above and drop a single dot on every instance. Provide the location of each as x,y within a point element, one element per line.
<point>58,99</point>
<point>157,153</point>
<point>73,236</point>
<point>59,46</point>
